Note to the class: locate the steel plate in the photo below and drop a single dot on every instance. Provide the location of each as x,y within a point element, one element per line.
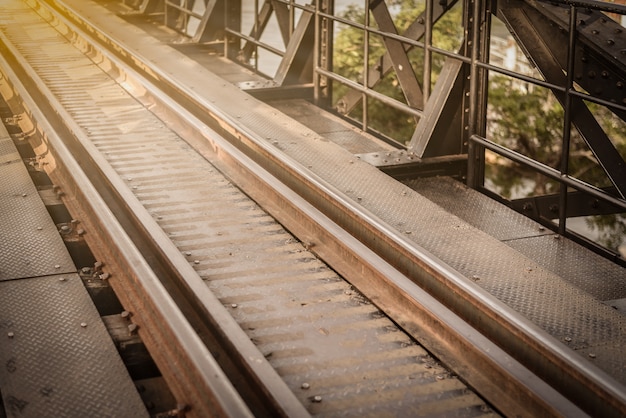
<point>30,244</point>
<point>58,359</point>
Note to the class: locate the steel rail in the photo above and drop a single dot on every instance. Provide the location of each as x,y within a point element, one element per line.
<point>263,390</point>
<point>416,262</point>
<point>198,382</point>
<point>427,318</point>
<point>543,353</point>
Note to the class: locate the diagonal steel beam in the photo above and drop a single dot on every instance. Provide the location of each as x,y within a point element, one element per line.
<point>399,59</point>
<point>296,66</point>
<point>439,130</point>
<point>415,31</point>
<point>542,45</point>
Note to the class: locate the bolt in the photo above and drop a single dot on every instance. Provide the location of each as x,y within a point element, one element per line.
<point>65,229</point>
<point>568,339</point>
<point>104,276</point>
<point>125,314</point>
<point>81,232</point>
<point>132,329</point>
<point>97,266</point>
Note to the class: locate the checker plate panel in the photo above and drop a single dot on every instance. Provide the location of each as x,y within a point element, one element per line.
<point>30,245</point>
<point>53,365</point>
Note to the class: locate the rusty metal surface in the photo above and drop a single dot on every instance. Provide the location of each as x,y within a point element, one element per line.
<point>306,320</point>
<point>267,124</point>
<point>58,359</point>
<point>30,244</point>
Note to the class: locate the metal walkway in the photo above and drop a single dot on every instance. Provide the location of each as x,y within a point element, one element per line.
<point>57,357</point>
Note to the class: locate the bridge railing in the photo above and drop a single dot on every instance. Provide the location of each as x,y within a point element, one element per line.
<point>529,94</point>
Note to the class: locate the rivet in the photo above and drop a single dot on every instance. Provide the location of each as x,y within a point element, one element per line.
<point>541,229</point>
<point>188,253</point>
<point>10,335</point>
<point>104,276</point>
<point>591,74</point>
<point>81,232</point>
<point>57,266</point>
<point>233,305</point>
<point>62,279</point>
<point>605,74</point>
<point>132,329</point>
<point>305,385</point>
<point>592,355</point>
<point>125,314</point>
<point>83,324</point>
<point>568,339</point>
<point>196,261</point>
<point>317,398</point>
<point>610,42</point>
<point>39,228</point>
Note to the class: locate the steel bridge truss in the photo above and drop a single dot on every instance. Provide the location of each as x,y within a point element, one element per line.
<point>577,49</point>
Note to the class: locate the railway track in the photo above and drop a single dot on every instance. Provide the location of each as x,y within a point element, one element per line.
<point>241,287</point>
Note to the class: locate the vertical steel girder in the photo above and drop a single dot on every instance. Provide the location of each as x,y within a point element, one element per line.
<point>543,40</point>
